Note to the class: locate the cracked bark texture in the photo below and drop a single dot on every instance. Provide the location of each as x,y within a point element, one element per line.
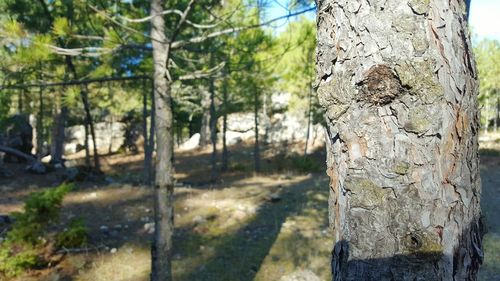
<point>398,83</point>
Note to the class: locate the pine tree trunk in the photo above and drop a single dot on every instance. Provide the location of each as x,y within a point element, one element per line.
<point>86,145</point>
<point>151,140</point>
<point>145,132</point>
<point>309,111</point>
<point>58,135</point>
<point>161,251</point>
<point>497,113</point>
<point>205,118</point>
<point>256,148</point>
<point>213,132</point>
<point>90,125</point>
<point>398,82</point>
<point>39,126</point>
<point>225,153</point>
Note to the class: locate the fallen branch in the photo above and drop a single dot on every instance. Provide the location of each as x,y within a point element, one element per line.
<point>81,250</point>
<point>17,153</point>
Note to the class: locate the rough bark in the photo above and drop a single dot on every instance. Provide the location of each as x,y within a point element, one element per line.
<point>164,181</point>
<point>397,80</point>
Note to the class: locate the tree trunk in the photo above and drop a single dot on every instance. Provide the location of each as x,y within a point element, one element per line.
<point>39,126</point>
<point>161,251</point>
<point>90,125</point>
<point>398,82</point>
<point>225,154</point>
<point>256,148</point>
<point>151,140</point>
<point>205,118</point>
<point>86,145</point>
<point>497,113</point>
<point>485,112</point>
<point>309,110</point>
<point>213,132</point>
<point>58,137</point>
<point>145,132</point>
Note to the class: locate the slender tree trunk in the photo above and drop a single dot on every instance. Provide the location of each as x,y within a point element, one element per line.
<point>205,118</point>
<point>309,110</point>
<point>256,149</point>
<point>487,117</point>
<point>145,132</point>
<point>90,124</point>
<point>213,132</point>
<point>398,82</point>
<point>39,126</point>
<point>58,137</point>
<point>164,181</point>
<point>20,101</point>
<point>497,113</point>
<point>86,145</point>
<point>151,140</point>
<point>225,154</point>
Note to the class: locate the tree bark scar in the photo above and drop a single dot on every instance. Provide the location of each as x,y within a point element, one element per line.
<point>379,86</point>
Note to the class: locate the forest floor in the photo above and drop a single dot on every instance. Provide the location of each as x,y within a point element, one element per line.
<point>244,227</point>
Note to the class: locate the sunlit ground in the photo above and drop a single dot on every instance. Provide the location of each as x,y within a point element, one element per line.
<point>245,228</point>
<point>490,177</point>
<point>260,228</point>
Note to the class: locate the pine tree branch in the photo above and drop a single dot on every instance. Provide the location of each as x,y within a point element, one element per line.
<point>199,39</point>
<point>202,73</point>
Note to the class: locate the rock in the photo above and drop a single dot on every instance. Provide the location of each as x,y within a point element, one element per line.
<point>280,101</point>
<point>199,220</point>
<point>149,227</point>
<point>274,198</point>
<point>109,180</point>
<point>19,136</point>
<point>70,163</point>
<point>192,143</point>
<point>4,173</point>
<point>113,250</point>
<point>37,168</point>
<point>301,275</point>
<point>70,174</point>
<point>110,136</point>
<point>5,219</point>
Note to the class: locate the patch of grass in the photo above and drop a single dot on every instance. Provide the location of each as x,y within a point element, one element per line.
<point>491,266</point>
<point>489,152</point>
<point>305,164</point>
<point>237,167</point>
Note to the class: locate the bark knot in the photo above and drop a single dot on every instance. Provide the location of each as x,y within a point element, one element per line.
<point>379,86</point>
